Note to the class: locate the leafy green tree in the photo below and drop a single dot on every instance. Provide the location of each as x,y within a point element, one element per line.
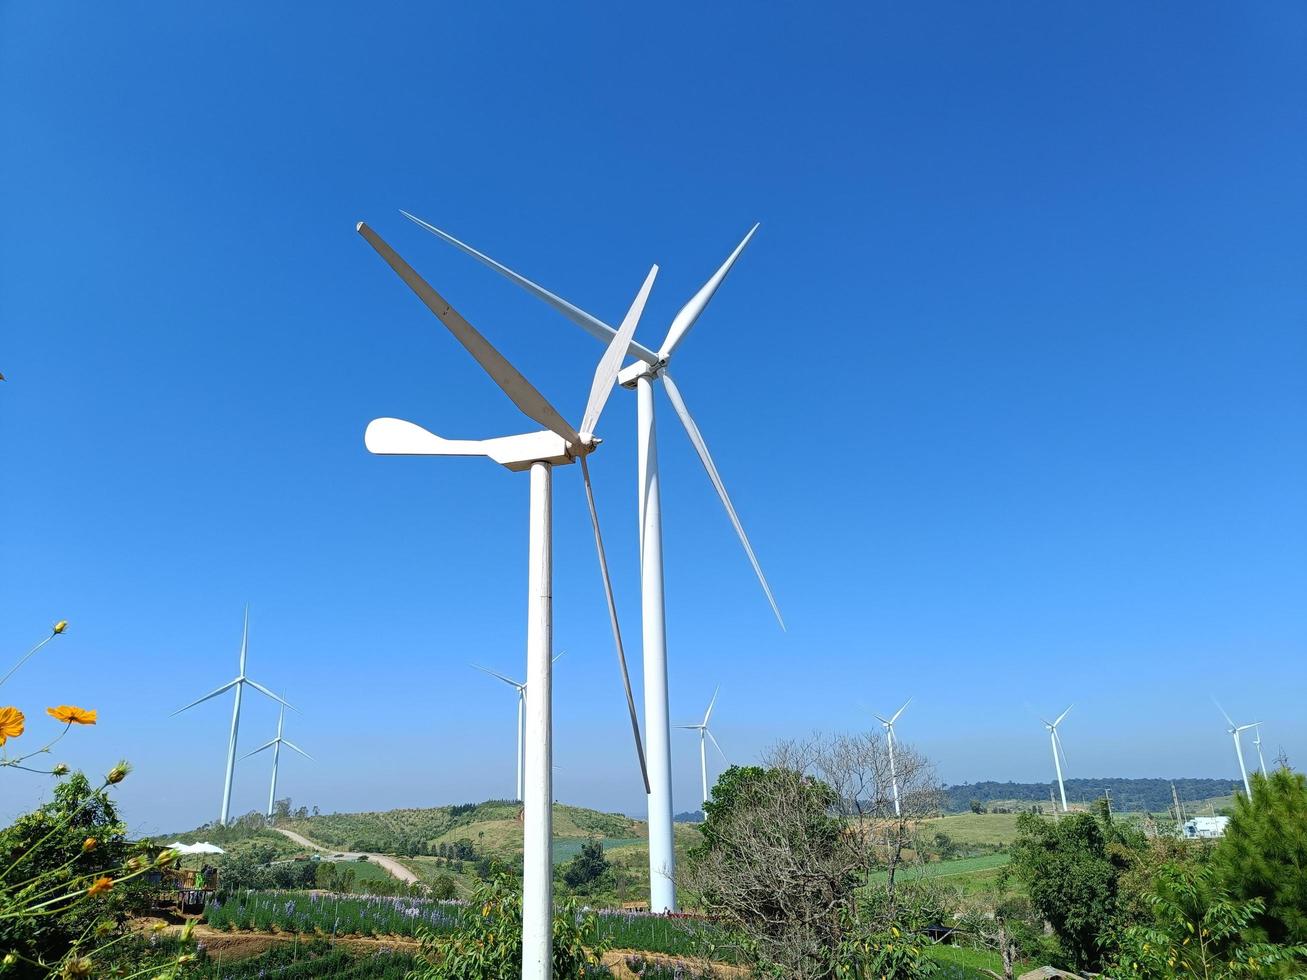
<point>1263,856</point>
<point>488,946</point>
<point>1199,930</point>
<point>1072,868</point>
<point>443,887</point>
<point>588,867</point>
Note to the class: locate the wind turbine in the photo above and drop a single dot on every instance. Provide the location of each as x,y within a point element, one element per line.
<point>239,685</point>
<point>538,453</point>
<point>1058,753</point>
<point>1235,731</point>
<point>276,745</point>
<point>703,730</point>
<point>520,687</point>
<point>888,725</point>
<point>1257,741</point>
<point>649,367</point>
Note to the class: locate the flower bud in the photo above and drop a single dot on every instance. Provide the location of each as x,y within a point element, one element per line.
<point>118,773</point>
<point>60,626</point>
<point>60,769</point>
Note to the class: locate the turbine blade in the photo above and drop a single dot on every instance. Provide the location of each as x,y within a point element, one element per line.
<point>701,448</point>
<point>1063,715</point>
<point>559,656</point>
<point>606,371</point>
<point>291,745</point>
<point>1222,711</point>
<point>708,714</point>
<point>1060,750</point>
<point>612,619</point>
<point>265,745</point>
<point>590,324</point>
<point>507,680</point>
<point>212,694</point>
<point>901,710</point>
<point>245,639</point>
<point>524,395</point>
<point>714,742</point>
<point>689,313</point>
<point>276,697</point>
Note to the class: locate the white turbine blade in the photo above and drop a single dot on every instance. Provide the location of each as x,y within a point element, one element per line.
<point>900,711</point>
<point>1057,739</point>
<point>212,694</point>
<point>245,639</point>
<point>559,656</point>
<point>883,721</point>
<point>714,742</point>
<point>708,714</point>
<point>291,745</point>
<point>1244,728</point>
<point>606,371</point>
<point>507,680</point>
<point>524,395</point>
<point>1063,715</point>
<point>701,448</point>
<point>612,619</point>
<point>276,697</point>
<point>1222,711</point>
<point>590,324</point>
<point>265,745</point>
<point>396,437</point>
<point>690,312</point>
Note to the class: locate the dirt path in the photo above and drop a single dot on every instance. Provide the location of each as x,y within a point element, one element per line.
<point>396,869</point>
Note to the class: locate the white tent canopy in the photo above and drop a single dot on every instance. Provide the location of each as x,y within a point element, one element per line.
<point>202,848</point>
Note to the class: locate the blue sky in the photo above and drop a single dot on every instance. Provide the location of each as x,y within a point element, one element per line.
<point>1008,387</point>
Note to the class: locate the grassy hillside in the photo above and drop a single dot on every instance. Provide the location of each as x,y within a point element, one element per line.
<point>1152,795</point>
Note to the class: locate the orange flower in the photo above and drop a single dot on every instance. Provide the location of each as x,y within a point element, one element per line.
<point>11,724</point>
<point>101,886</point>
<point>70,714</point>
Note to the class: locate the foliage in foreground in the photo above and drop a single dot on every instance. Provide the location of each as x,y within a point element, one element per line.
<point>488,944</point>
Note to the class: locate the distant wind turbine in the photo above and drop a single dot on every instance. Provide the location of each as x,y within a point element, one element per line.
<point>238,684</point>
<point>888,725</point>
<point>520,687</point>
<point>1059,755</point>
<point>276,744</point>
<point>1257,741</point>
<point>705,733</point>
<point>1235,732</point>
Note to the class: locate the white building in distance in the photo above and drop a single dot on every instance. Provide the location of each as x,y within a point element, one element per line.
<point>1196,828</point>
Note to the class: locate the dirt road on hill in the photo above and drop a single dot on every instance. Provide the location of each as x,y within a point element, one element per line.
<point>396,869</point>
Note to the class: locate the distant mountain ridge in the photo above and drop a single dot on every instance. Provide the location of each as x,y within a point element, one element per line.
<point>1127,794</point>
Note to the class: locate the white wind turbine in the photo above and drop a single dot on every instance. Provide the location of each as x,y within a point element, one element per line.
<point>888,725</point>
<point>1236,732</point>
<point>276,744</point>
<point>538,452</point>
<point>1257,741</point>
<point>651,366</point>
<point>1058,754</point>
<point>520,687</point>
<point>238,684</point>
<point>704,732</point>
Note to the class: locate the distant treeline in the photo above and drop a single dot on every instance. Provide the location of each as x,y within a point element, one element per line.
<point>1127,794</point>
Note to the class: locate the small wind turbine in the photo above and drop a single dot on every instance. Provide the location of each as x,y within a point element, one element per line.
<point>703,730</point>
<point>1059,755</point>
<point>520,687</point>
<point>888,725</point>
<point>1235,732</point>
<point>539,453</point>
<point>651,366</point>
<point>276,745</point>
<point>1257,741</point>
<point>238,684</point>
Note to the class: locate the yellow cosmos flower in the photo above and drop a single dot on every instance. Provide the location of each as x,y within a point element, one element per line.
<point>11,724</point>
<point>101,886</point>
<point>71,714</point>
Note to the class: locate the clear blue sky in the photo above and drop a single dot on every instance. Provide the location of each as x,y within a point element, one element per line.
<point>1008,388</point>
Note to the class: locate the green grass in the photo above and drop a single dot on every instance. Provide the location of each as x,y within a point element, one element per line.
<point>989,830</point>
<point>960,963</point>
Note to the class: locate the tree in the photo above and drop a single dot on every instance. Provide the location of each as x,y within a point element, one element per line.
<point>977,806</point>
<point>588,867</point>
<point>443,887</point>
<point>1263,856</point>
<point>1198,930</point>
<point>1071,868</point>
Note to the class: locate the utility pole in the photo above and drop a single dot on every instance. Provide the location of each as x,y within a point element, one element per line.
<point>1179,807</point>
<point>1108,793</point>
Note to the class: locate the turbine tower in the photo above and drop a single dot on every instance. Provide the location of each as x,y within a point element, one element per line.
<point>538,453</point>
<point>1236,732</point>
<point>705,733</point>
<point>651,366</point>
<point>520,687</point>
<point>1058,754</point>
<point>1257,741</point>
<point>238,684</point>
<point>888,725</point>
<point>276,744</point>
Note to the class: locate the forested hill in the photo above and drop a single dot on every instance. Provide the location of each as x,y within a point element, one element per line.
<point>1127,794</point>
